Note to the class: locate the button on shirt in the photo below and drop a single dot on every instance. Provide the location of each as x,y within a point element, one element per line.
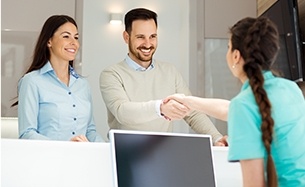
<point>49,109</point>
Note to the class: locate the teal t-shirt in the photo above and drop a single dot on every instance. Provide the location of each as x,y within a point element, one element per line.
<point>288,112</point>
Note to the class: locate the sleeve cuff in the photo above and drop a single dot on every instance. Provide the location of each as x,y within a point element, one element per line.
<point>157,107</point>
<point>217,139</point>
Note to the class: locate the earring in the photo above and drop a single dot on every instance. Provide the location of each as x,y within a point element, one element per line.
<point>233,66</point>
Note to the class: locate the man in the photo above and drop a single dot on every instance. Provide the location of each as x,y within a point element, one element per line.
<point>134,88</point>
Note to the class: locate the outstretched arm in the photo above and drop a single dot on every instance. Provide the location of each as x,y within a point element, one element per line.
<point>217,108</point>
<point>122,95</point>
<point>173,110</point>
<point>119,96</point>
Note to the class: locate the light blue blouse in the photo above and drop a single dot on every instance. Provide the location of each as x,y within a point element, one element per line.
<point>288,112</point>
<point>48,109</point>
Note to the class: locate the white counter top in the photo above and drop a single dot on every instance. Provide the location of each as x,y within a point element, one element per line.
<point>32,163</point>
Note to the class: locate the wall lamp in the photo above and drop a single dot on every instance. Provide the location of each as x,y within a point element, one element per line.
<point>115,19</point>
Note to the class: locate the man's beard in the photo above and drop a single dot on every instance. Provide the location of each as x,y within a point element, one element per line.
<point>141,57</point>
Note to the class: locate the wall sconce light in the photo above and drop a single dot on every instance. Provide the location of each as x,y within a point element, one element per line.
<point>115,19</point>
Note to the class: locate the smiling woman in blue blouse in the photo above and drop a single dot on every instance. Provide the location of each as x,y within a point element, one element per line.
<point>54,102</point>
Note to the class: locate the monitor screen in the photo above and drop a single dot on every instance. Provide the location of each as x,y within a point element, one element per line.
<point>289,62</point>
<point>144,159</point>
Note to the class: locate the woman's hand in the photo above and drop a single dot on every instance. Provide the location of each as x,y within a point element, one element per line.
<point>79,138</point>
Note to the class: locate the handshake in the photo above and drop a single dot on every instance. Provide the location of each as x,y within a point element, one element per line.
<point>177,106</point>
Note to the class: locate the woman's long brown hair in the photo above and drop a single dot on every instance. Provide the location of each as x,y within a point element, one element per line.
<point>257,39</point>
<point>41,52</point>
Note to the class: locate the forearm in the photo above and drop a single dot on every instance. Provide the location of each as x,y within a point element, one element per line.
<point>202,124</point>
<point>134,113</point>
<point>217,108</point>
<point>33,134</point>
<point>253,172</point>
<point>123,104</point>
<point>92,134</point>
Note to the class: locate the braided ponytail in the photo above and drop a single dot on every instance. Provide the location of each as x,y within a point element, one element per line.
<point>257,41</point>
<point>256,82</point>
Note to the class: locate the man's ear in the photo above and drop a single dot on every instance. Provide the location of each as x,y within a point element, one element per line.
<point>126,37</point>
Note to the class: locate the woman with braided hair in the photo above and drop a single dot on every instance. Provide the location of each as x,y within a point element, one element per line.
<point>266,121</point>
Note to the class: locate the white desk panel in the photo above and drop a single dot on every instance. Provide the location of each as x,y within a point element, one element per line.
<point>228,174</point>
<point>32,163</point>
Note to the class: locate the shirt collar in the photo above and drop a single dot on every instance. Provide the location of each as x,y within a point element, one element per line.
<point>73,72</point>
<point>266,74</point>
<point>48,67</point>
<point>136,66</point>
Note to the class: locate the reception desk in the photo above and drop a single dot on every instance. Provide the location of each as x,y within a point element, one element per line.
<point>32,163</point>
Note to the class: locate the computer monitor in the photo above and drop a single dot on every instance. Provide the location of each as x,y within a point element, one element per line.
<point>150,159</point>
<point>290,60</point>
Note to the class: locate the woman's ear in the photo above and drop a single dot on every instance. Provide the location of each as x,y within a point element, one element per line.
<point>49,44</point>
<point>236,56</point>
<point>238,59</point>
<point>126,37</point>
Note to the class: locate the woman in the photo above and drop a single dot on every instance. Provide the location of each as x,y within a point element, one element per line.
<point>54,101</point>
<point>266,121</point>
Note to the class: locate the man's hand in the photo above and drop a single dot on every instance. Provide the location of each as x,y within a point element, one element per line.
<point>222,142</point>
<point>177,97</point>
<point>79,138</point>
<point>173,110</point>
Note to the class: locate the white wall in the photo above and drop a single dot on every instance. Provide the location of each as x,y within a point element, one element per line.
<point>218,80</point>
<point>21,22</point>
<point>103,44</point>
<point>29,15</point>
